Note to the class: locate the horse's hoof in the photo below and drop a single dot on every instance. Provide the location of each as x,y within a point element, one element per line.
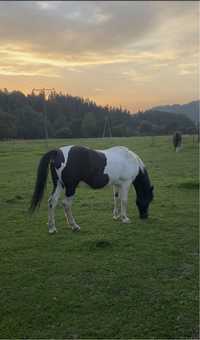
<point>116,217</point>
<point>52,231</point>
<point>126,220</point>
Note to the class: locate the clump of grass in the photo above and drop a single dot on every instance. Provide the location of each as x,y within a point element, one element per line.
<point>14,199</point>
<point>103,244</point>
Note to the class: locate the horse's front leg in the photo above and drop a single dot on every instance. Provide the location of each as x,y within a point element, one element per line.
<point>116,198</point>
<point>124,201</point>
<point>67,204</point>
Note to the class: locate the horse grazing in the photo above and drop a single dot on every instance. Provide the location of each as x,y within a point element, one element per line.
<point>177,141</point>
<point>70,165</point>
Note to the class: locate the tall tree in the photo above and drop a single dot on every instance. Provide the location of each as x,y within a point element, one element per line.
<point>88,126</point>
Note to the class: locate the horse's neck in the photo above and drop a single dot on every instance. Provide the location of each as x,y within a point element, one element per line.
<point>141,183</point>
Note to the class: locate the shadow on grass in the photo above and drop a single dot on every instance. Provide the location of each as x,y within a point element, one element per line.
<point>188,185</point>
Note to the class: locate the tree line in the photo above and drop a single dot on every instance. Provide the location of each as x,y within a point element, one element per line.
<point>65,116</point>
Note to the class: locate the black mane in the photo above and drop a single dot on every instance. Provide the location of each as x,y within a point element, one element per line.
<point>142,183</point>
<point>144,192</point>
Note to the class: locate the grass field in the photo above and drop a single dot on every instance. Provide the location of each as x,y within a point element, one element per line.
<point>110,280</point>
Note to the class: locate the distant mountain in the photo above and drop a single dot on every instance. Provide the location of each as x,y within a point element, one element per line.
<point>191,110</point>
<point>161,123</point>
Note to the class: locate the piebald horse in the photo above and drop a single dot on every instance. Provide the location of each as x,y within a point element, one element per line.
<point>71,165</point>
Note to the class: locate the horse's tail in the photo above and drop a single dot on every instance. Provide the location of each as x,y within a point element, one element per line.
<point>41,179</point>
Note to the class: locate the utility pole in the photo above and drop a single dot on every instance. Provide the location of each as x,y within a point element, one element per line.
<point>45,94</point>
<point>107,123</point>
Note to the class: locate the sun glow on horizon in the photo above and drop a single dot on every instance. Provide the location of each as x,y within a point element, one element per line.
<point>136,55</point>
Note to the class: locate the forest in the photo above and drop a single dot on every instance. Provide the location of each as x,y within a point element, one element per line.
<point>60,115</point>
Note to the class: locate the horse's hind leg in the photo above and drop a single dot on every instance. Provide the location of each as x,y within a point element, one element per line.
<point>67,204</point>
<point>52,202</point>
<point>116,197</point>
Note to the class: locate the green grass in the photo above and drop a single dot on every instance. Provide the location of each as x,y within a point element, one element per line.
<point>110,280</point>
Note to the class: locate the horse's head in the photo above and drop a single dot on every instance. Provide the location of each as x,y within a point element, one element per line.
<point>143,202</point>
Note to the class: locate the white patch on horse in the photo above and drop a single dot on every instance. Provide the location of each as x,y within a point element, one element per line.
<point>122,165</point>
<point>65,150</point>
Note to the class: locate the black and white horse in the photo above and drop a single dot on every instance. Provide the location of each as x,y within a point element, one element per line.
<point>70,165</point>
<point>177,141</point>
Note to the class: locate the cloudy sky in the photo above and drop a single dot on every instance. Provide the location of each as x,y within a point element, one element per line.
<point>136,54</point>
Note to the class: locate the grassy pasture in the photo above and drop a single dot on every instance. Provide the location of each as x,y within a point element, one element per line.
<point>110,280</point>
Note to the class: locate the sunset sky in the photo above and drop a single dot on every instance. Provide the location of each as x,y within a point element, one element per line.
<point>134,54</point>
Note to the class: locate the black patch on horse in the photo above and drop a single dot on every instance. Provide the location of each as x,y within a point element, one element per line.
<point>85,165</point>
<point>54,176</point>
<point>59,159</point>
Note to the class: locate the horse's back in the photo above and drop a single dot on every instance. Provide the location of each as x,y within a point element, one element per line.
<point>123,154</point>
<point>122,164</point>
<point>118,162</point>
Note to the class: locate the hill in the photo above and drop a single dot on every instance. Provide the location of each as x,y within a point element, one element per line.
<point>155,122</point>
<point>191,110</point>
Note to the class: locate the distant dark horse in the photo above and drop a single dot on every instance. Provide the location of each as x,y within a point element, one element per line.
<point>177,141</point>
<point>70,165</point>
